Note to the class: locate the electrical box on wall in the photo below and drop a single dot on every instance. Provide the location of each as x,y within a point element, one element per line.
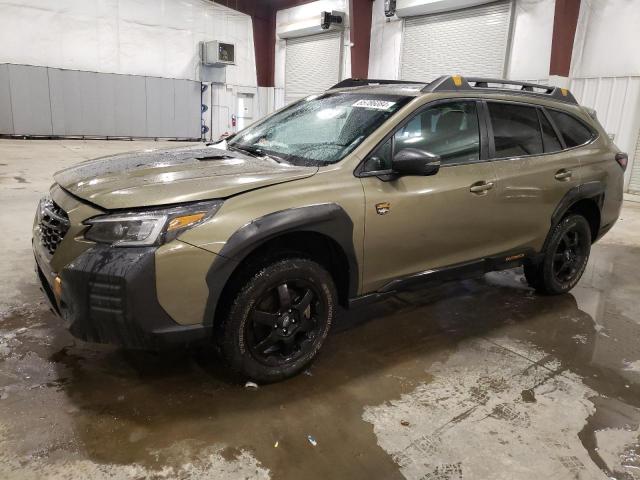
<point>217,53</point>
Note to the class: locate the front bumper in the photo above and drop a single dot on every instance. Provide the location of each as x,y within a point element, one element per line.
<point>109,296</point>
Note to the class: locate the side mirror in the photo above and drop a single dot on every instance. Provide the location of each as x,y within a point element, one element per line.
<point>412,161</point>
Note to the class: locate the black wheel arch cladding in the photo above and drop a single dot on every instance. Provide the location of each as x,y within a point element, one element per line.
<point>328,219</point>
<point>593,191</point>
<point>587,191</point>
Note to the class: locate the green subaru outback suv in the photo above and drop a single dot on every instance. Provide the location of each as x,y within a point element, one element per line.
<point>341,198</point>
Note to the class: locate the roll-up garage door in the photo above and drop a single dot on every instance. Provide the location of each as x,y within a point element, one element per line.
<point>312,64</point>
<point>634,182</point>
<point>472,41</point>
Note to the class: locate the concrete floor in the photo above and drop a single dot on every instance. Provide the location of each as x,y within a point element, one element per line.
<point>478,379</point>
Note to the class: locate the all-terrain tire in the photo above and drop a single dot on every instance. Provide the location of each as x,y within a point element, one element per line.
<point>239,332</point>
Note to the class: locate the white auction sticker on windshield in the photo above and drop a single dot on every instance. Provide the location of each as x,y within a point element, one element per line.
<point>377,104</point>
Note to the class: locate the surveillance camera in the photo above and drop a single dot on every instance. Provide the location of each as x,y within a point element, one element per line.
<point>327,18</point>
<point>389,8</point>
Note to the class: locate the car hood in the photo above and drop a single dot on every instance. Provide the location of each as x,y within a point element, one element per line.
<point>160,177</point>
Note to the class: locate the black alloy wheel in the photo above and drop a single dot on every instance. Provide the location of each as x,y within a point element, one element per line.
<point>278,319</point>
<point>284,322</point>
<point>570,255</point>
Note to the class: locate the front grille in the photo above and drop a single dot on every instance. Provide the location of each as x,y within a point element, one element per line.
<point>53,224</point>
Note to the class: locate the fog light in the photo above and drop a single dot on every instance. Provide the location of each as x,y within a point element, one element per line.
<point>57,287</point>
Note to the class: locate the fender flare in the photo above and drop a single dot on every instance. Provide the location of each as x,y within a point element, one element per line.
<point>590,190</point>
<point>328,219</point>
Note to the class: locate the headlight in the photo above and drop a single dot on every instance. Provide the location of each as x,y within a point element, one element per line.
<point>149,227</point>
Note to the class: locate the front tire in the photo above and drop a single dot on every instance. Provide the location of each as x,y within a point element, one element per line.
<point>278,320</point>
<point>565,257</point>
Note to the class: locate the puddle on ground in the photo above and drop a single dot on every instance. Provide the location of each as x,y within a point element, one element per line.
<point>450,380</point>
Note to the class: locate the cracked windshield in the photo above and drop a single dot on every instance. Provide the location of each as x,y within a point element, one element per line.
<point>318,130</point>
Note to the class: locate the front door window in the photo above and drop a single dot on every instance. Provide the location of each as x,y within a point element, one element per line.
<point>449,130</point>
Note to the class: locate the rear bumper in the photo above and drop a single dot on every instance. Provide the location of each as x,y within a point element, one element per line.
<point>604,229</point>
<point>109,296</point>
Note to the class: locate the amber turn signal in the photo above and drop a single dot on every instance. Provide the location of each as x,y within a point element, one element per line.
<point>181,222</point>
<point>57,287</point>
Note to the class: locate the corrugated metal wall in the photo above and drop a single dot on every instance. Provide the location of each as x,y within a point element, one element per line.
<point>634,180</point>
<point>617,103</point>
<point>46,101</point>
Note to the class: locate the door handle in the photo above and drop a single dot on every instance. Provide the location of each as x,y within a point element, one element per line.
<point>563,174</point>
<point>481,187</point>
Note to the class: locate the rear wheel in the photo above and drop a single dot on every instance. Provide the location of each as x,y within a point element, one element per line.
<point>565,258</point>
<point>279,320</point>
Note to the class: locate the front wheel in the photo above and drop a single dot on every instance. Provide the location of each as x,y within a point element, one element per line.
<point>565,258</point>
<point>278,320</point>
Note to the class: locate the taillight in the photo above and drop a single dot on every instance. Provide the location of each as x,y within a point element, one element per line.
<point>622,159</point>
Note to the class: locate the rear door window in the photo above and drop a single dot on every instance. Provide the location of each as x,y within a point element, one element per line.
<point>516,130</point>
<point>573,131</point>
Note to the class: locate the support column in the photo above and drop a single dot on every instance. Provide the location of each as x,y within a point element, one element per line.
<point>360,22</point>
<point>263,18</point>
<point>564,30</point>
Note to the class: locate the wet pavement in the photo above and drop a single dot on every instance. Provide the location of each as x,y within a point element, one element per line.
<point>475,379</point>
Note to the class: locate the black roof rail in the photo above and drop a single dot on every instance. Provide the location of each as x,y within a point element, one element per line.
<point>458,83</point>
<point>363,82</point>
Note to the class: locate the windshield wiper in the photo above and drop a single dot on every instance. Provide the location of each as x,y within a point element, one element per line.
<point>243,149</point>
<point>257,153</point>
<point>277,158</point>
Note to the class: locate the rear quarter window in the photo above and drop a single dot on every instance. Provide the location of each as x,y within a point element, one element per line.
<point>549,138</point>
<point>573,131</point>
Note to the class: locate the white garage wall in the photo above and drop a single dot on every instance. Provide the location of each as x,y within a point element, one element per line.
<point>530,53</point>
<point>139,37</point>
<point>607,39</point>
<point>528,56</point>
<point>605,68</point>
<point>385,45</point>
